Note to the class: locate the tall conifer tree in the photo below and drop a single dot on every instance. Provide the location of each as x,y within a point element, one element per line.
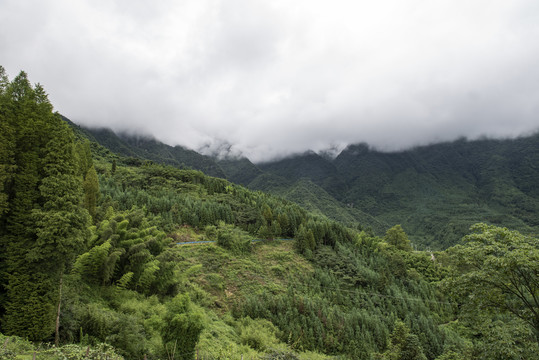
<point>45,222</point>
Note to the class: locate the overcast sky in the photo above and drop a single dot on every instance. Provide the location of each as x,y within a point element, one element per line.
<point>274,77</point>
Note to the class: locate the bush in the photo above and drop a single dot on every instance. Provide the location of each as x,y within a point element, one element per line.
<point>232,238</point>
<point>182,329</point>
<point>258,334</point>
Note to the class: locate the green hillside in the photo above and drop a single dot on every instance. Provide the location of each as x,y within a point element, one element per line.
<point>301,182</point>
<point>436,192</point>
<point>148,148</point>
<point>312,166</point>
<point>97,260</point>
<point>315,199</point>
<point>239,171</point>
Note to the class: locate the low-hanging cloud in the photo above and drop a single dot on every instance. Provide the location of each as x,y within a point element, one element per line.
<point>278,77</point>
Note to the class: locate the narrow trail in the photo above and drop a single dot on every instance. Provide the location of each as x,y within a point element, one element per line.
<point>213,241</point>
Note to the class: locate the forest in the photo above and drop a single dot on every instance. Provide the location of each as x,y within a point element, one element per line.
<point>436,192</point>
<point>94,263</point>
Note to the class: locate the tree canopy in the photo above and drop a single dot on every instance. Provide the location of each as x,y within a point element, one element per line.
<point>497,270</point>
<point>43,223</point>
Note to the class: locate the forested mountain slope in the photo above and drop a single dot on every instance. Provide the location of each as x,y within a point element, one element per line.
<point>436,192</point>
<point>94,256</point>
<point>311,166</point>
<point>148,148</point>
<point>301,181</point>
<point>240,171</point>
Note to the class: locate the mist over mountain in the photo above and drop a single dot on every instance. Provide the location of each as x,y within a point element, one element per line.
<point>435,191</point>
<point>275,79</point>
<point>144,146</point>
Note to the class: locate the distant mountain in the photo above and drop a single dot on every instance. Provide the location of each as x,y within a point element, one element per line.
<point>298,179</point>
<point>147,148</point>
<point>312,166</point>
<point>239,171</point>
<point>436,192</point>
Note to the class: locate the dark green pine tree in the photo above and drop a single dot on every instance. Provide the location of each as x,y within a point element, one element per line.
<point>305,240</point>
<point>19,161</point>
<point>84,157</point>
<point>6,146</point>
<point>7,167</point>
<point>46,225</point>
<point>61,222</point>
<point>91,191</point>
<point>403,345</point>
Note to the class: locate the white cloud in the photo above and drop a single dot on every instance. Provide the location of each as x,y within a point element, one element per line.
<point>275,77</point>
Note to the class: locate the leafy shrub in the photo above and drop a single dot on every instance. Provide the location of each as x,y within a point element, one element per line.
<point>183,325</point>
<point>258,334</point>
<point>77,352</point>
<point>232,238</point>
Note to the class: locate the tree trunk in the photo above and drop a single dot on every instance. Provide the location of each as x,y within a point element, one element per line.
<point>57,330</point>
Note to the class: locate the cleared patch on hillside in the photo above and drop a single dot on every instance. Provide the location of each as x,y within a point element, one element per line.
<point>223,278</point>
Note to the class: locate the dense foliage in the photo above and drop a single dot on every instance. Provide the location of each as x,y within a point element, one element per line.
<point>436,192</point>
<point>96,256</point>
<point>44,224</point>
<point>496,284</point>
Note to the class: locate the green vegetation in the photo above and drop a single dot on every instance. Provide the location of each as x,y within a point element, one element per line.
<point>14,347</point>
<point>147,148</point>
<point>44,224</point>
<point>436,192</point>
<point>497,272</point>
<point>90,261</point>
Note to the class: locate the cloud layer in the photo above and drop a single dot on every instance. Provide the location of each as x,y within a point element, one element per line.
<point>277,77</point>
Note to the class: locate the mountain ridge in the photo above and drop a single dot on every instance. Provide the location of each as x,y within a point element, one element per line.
<point>435,191</point>
<point>446,186</point>
<point>148,148</point>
